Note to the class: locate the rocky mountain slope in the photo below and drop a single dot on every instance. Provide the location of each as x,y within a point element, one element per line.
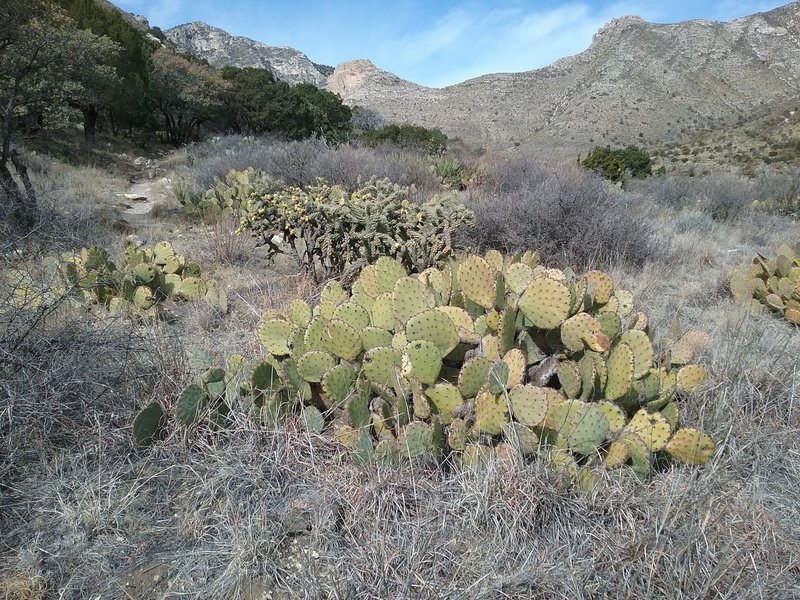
<point>638,82</point>
<point>222,49</point>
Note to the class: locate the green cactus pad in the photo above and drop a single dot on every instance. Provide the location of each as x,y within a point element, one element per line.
<point>274,335</point>
<point>528,404</point>
<point>569,376</point>
<point>642,348</point>
<point>691,377</point>
<point>173,264</point>
<point>497,379</point>
<point>409,298</point>
<point>475,456</point>
<point>670,412</point>
<point>490,346</point>
<point>625,302</point>
<point>148,424</point>
<point>388,453</point>
<point>610,324</point>
<point>381,365</point>
<point>620,367</point>
<point>143,297</point>
<point>415,439</point>
<point>338,382</point>
<point>162,252</point>
<point>691,446</point>
<point>433,326</point>
<point>616,455</point>
<point>602,284</point>
<point>368,281</point>
<point>265,381</point>
<point>463,322</point>
<point>373,337</point>
<point>491,413</point>
<point>581,424</point>
<point>332,295</point>
<point>216,295</point>
<point>533,354</point>
<point>578,329</point>
<point>495,259</point>
<point>313,365</point>
<point>521,438</point>
<point>545,303</point>
<point>388,271</point>
<point>445,398</point>
<point>353,314</point>
<point>347,436</point>
<point>312,337</point>
<point>640,456</point>
<point>341,340</point>
<point>588,374</point>
<point>145,274</point>
<point>191,404</point>
<point>192,288</point>
<point>507,330</point>
<point>518,277</point>
<point>425,359</point>
<point>614,415</point>
<point>477,280</point>
<point>515,360</point>
<point>562,464</point>
<point>652,428</point>
<point>313,420</point>
<point>299,313</point>
<point>473,376</point>
<point>382,313</point>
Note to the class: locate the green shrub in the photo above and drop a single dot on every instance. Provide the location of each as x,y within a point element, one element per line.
<point>411,137</point>
<point>616,164</point>
<point>229,196</point>
<point>485,355</point>
<point>334,232</point>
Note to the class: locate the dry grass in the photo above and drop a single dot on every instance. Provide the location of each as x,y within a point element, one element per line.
<point>251,513</point>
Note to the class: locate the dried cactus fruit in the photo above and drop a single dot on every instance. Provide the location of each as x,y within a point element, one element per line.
<point>529,404</point>
<point>653,428</point>
<point>274,335</point>
<point>477,280</point>
<point>545,303</point>
<point>148,424</point>
<point>691,446</point>
<point>433,326</point>
<point>620,366</point>
<point>409,298</point>
<point>425,360</point>
<point>191,403</point>
<point>491,413</point>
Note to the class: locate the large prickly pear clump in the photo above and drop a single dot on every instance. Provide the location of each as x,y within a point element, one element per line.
<point>771,284</point>
<point>487,354</point>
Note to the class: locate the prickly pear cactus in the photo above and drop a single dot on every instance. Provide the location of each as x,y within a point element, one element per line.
<point>489,354</point>
<point>771,285</point>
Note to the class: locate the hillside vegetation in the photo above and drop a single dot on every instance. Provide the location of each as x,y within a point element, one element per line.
<point>295,360</point>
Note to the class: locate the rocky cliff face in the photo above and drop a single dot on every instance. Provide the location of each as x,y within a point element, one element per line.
<point>638,82</point>
<point>221,49</point>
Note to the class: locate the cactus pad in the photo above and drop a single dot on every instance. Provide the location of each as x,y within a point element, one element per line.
<point>691,446</point>
<point>445,398</point>
<point>143,297</point>
<point>373,337</point>
<point>490,413</point>
<point>299,313</point>
<point>545,303</point>
<point>582,425</point>
<point>341,340</point>
<point>580,329</point>
<point>569,376</point>
<point>473,376</point>
<point>515,360</point>
<point>388,453</point>
<point>274,335</point>
<point>313,365</point>
<point>528,404</point>
<point>332,295</point>
<point>497,379</point>
<point>313,420</point>
<point>433,326</point>
<point>148,424</point>
<point>463,323</point>
<point>353,314</point>
<point>691,377</point>
<point>388,271</point>
<point>477,280</point>
<point>381,365</point>
<point>518,277</point>
<point>642,349</point>
<point>620,366</point>
<point>338,382</point>
<point>192,288</point>
<point>191,403</point>
<point>409,298</point>
<point>425,360</point>
<point>144,273</point>
<point>416,439</point>
<point>653,428</point>
<point>602,284</point>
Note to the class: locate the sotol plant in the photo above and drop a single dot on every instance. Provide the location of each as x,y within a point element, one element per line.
<point>485,355</point>
<point>771,284</point>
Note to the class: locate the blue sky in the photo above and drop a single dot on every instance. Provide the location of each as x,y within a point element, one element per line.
<point>432,42</point>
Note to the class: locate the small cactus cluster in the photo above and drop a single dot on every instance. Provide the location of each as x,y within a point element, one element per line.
<point>146,276</point>
<point>771,284</point>
<point>334,232</point>
<point>489,354</point>
<point>229,196</point>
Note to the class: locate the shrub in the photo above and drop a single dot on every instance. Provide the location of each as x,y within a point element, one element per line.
<point>570,216</point>
<point>409,137</point>
<point>333,231</point>
<point>771,284</point>
<point>616,164</point>
<point>485,355</point>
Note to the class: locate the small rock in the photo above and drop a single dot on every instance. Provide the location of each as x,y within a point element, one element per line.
<point>140,161</point>
<point>135,197</point>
